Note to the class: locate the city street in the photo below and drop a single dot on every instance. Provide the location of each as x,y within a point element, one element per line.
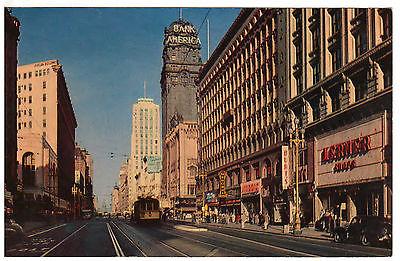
<point>104,237</point>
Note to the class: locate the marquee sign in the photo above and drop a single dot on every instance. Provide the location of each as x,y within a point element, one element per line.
<point>250,187</point>
<point>285,167</point>
<point>222,189</point>
<point>182,33</point>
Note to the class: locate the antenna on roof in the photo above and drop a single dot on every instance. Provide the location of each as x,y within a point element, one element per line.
<point>208,39</point>
<point>144,87</point>
<point>180,13</point>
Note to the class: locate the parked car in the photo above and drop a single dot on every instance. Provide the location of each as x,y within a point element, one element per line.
<point>366,230</point>
<point>14,232</point>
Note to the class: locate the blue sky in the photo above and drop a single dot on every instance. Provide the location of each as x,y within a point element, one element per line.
<point>106,55</point>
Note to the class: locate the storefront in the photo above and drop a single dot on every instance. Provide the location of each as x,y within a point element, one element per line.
<point>250,194</point>
<point>230,205</point>
<point>351,175</point>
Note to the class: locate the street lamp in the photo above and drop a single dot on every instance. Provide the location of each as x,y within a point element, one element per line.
<point>74,191</point>
<point>297,140</point>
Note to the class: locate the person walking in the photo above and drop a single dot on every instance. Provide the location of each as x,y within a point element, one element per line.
<point>266,220</point>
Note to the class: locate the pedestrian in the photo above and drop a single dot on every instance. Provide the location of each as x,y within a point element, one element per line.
<point>266,220</point>
<point>256,219</point>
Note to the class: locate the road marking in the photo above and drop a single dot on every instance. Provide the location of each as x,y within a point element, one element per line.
<point>130,240</point>
<point>267,245</point>
<point>114,240</point>
<point>174,249</point>
<point>212,253</point>
<point>47,230</point>
<point>54,247</point>
<point>205,243</point>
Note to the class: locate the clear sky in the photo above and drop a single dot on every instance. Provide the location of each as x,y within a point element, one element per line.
<point>106,55</point>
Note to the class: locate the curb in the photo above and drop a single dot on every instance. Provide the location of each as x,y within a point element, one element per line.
<point>266,232</point>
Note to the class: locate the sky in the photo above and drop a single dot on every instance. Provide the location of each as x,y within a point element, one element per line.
<point>107,54</point>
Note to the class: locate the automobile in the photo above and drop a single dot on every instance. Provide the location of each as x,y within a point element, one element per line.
<point>13,232</point>
<point>86,214</point>
<point>366,230</point>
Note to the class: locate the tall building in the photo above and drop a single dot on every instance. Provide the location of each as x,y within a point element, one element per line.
<point>181,64</point>
<point>11,25</point>
<point>241,120</point>
<point>46,133</point>
<point>277,74</point>
<point>340,92</point>
<point>145,148</point>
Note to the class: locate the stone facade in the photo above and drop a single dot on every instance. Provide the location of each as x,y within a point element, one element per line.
<point>145,143</point>
<point>181,64</point>
<point>44,109</point>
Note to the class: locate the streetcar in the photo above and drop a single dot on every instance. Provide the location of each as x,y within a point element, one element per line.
<point>146,210</point>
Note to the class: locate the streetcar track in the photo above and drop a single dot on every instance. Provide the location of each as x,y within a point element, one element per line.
<point>173,249</point>
<point>309,243</point>
<point>266,245</point>
<point>129,239</point>
<point>65,239</point>
<point>114,240</point>
<point>202,242</point>
<point>47,230</point>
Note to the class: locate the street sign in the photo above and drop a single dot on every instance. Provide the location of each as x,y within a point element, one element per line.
<point>153,164</point>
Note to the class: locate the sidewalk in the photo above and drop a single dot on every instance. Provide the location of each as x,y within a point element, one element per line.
<point>307,232</point>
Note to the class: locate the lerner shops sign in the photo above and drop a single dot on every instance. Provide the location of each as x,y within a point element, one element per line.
<point>351,155</point>
<point>346,150</point>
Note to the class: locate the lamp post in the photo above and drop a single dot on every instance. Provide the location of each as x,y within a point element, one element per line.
<point>74,190</point>
<point>297,140</point>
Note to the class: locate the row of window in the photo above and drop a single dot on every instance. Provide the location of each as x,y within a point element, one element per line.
<point>38,73</point>
<point>23,87</point>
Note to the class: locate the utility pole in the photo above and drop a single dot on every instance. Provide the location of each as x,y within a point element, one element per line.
<point>297,141</point>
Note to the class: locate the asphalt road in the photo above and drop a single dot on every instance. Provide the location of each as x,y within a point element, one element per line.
<point>103,237</point>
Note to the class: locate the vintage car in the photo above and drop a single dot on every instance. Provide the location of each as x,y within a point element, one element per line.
<point>366,230</point>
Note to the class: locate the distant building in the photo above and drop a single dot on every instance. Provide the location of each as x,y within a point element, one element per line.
<point>46,125</point>
<point>181,64</point>
<point>145,147</point>
<point>114,201</point>
<point>83,179</point>
<point>123,192</point>
<point>11,37</point>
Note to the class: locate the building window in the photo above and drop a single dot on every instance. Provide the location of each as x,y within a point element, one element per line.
<point>19,101</point>
<point>248,175</point>
<point>314,103</point>
<point>40,72</point>
<point>44,97</point>
<point>316,72</point>
<point>30,125</point>
<point>299,84</point>
<point>24,75</point>
<point>19,88</point>
<point>336,59</point>
<point>44,85</point>
<point>336,20</point>
<point>30,75</point>
<point>28,169</point>
<point>19,125</point>
<point>386,67</point>
<point>30,87</point>
<point>361,43</point>
<point>360,82</point>
<point>334,93</point>
<point>30,99</point>
<point>44,110</point>
<point>44,123</point>
<point>257,171</point>
<point>30,112</point>
<point>36,73</point>
<point>24,124</point>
